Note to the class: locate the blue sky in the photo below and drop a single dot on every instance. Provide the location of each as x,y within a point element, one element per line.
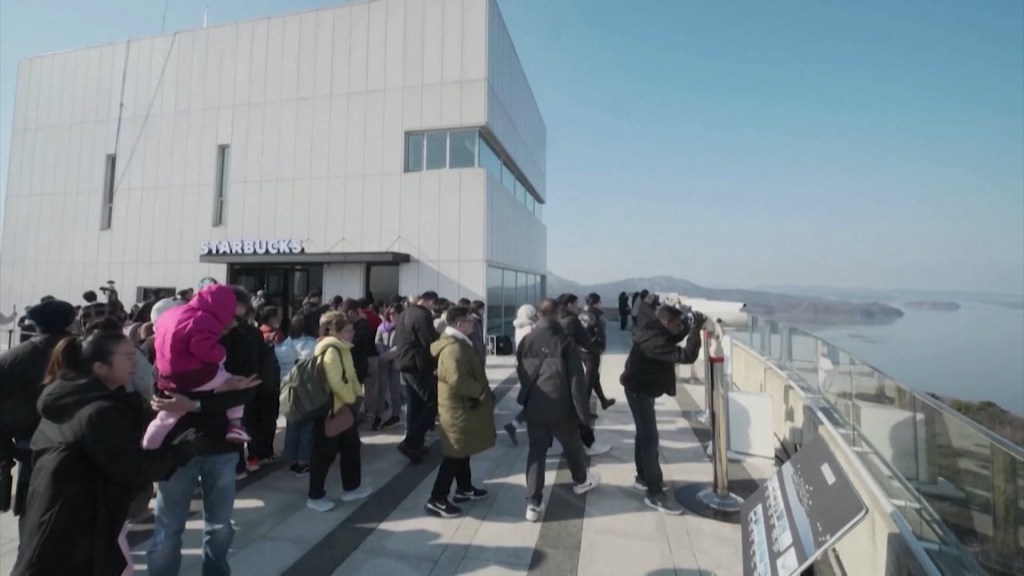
<point>736,144</point>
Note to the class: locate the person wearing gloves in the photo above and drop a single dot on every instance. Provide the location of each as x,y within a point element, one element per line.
<point>335,351</point>
<point>649,374</point>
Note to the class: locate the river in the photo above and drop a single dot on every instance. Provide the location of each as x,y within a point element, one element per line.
<point>976,353</point>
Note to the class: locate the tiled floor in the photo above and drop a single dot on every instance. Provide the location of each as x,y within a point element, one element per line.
<point>613,533</point>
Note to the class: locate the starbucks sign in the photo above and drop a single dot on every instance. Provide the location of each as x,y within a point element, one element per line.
<point>251,247</point>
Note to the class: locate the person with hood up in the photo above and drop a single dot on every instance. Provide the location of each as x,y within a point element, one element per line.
<point>89,463</point>
<point>649,374</point>
<point>335,351</point>
<point>22,369</point>
<point>526,319</point>
<point>465,406</point>
<point>189,357</point>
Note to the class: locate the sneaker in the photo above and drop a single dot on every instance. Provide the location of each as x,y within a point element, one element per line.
<point>320,504</point>
<point>391,422</point>
<point>664,502</point>
<point>596,449</point>
<point>473,494</point>
<point>414,456</point>
<point>237,434</point>
<point>357,494</point>
<point>241,475</point>
<point>442,508</point>
<point>533,512</point>
<point>593,481</point>
<point>510,429</point>
<point>376,424</point>
<point>299,469</point>
<point>607,403</point>
<point>252,464</point>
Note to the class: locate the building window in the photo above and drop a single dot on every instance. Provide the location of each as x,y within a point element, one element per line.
<point>470,148</point>
<point>220,197</point>
<point>382,281</point>
<point>507,290</point>
<point>437,150</point>
<point>108,192</point>
<point>414,153</point>
<point>462,148</point>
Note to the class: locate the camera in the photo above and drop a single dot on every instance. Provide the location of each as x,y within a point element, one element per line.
<point>727,314</point>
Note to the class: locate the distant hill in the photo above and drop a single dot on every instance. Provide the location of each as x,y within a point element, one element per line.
<point>761,303</point>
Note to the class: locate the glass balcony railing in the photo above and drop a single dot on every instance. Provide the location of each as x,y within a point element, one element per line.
<point>959,486</point>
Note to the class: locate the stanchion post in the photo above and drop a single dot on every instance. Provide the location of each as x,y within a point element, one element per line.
<point>717,497</point>
<point>705,416</point>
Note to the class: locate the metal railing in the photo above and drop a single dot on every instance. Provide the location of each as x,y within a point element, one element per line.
<point>958,485</point>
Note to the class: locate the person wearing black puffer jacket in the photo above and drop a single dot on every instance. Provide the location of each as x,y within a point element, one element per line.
<point>649,374</point>
<point>413,336</point>
<point>22,369</point>
<point>89,461</point>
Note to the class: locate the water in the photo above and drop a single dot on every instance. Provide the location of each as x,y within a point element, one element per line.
<point>976,353</point>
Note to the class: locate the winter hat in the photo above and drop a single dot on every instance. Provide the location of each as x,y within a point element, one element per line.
<point>163,306</point>
<point>52,316</point>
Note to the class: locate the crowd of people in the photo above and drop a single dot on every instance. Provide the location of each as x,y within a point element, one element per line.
<point>99,403</point>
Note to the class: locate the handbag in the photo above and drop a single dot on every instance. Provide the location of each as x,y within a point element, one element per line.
<point>340,420</point>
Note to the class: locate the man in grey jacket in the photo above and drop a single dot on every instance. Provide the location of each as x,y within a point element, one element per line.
<point>553,392</point>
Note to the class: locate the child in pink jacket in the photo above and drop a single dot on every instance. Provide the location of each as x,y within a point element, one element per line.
<point>189,357</point>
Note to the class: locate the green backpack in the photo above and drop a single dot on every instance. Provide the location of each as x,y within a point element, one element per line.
<point>304,392</point>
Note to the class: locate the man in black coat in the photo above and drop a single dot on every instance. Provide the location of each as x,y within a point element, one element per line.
<point>21,375</point>
<point>556,405</point>
<point>590,353</point>
<point>649,374</point>
<point>413,337</point>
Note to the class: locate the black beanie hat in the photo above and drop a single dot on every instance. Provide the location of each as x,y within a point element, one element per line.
<point>52,316</point>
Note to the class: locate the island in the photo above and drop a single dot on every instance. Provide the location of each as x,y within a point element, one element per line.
<point>932,305</point>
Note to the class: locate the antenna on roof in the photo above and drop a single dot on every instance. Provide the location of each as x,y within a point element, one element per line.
<point>163,21</point>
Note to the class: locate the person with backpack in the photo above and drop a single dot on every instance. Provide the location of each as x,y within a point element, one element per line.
<point>335,434</point>
<point>553,393</point>
<point>22,369</point>
<point>413,337</point>
<point>592,319</point>
<point>300,345</point>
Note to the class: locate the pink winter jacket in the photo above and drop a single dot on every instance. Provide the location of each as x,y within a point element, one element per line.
<point>186,339</point>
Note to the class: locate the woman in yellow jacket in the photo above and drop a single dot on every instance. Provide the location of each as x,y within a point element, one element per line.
<point>335,351</point>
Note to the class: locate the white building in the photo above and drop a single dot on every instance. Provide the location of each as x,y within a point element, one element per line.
<point>390,146</point>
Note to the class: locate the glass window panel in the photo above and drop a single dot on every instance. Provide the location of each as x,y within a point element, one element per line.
<point>382,282</point>
<point>507,178</point>
<point>531,204</point>
<point>489,159</point>
<point>437,150</point>
<point>521,192</point>
<point>521,289</point>
<point>414,152</point>
<point>509,298</point>
<point>462,149</point>
<point>494,301</point>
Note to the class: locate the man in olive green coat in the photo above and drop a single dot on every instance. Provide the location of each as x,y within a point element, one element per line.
<point>465,405</point>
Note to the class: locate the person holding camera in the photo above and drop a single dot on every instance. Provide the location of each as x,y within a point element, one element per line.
<point>649,374</point>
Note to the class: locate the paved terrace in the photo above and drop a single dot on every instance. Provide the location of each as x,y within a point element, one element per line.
<point>607,531</point>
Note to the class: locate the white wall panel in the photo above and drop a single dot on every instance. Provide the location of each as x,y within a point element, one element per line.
<point>451,104</point>
<point>287,136</point>
<point>243,64</point>
<point>271,140</point>
<point>303,138</point>
<point>338,153</point>
<point>342,45</point>
<point>323,47</point>
<point>275,55</point>
<point>320,141</point>
<point>391,211</point>
<point>356,125</point>
<point>306,63</point>
<point>374,132</point>
<point>229,63</point>
<point>393,145</point>
<point>215,41</point>
<point>182,76</point>
<point>430,216</point>
<point>433,40</point>
<point>451,60</point>
<point>395,44</point>
<point>200,52</point>
<point>412,108</point>
<point>449,222</point>
<point>431,115</point>
<point>358,46</point>
<point>352,217</point>
<point>259,61</point>
<point>472,214</point>
<point>412,59</point>
<point>376,57</point>
<point>290,57</point>
<point>371,234</point>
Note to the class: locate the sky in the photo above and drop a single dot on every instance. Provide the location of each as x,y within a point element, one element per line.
<point>745,143</point>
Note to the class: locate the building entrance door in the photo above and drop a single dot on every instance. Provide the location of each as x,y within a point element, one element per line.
<point>285,286</point>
